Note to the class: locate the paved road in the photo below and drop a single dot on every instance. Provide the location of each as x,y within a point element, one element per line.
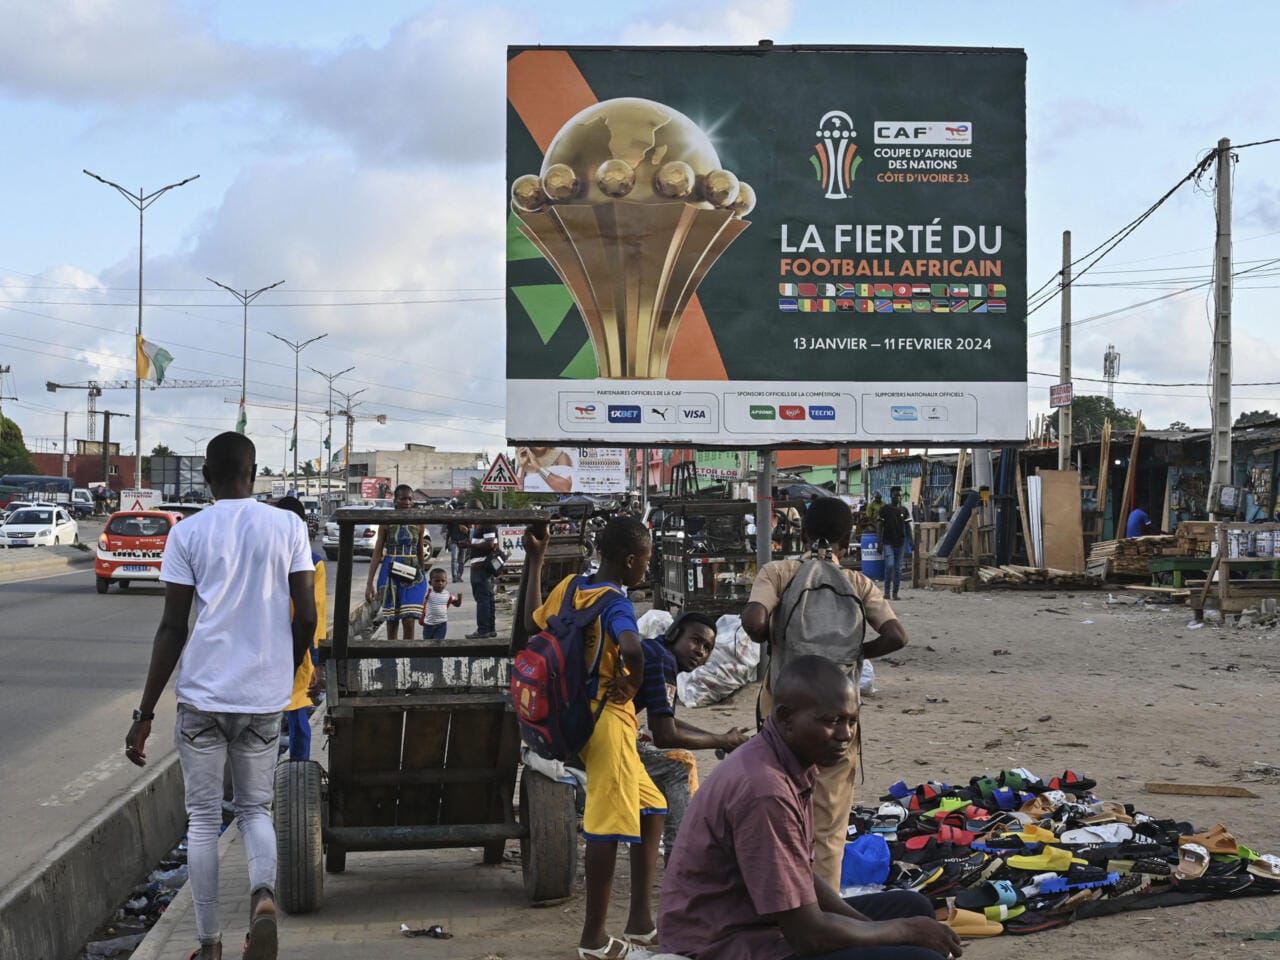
<point>72,665</point>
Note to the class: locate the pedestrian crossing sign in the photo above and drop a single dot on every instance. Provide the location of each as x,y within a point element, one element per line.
<point>501,476</point>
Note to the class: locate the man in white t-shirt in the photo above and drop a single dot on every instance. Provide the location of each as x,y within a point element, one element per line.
<point>240,562</point>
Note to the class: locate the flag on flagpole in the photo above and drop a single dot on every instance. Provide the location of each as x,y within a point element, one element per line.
<point>328,440</point>
<point>152,361</point>
<point>242,421</point>
<point>293,440</point>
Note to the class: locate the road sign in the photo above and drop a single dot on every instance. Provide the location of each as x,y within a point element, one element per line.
<point>501,475</point>
<point>139,499</point>
<point>1060,395</point>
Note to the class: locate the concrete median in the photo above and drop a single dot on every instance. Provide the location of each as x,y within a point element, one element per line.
<point>24,563</point>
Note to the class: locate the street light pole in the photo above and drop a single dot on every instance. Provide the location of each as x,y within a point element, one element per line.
<point>319,422</point>
<point>141,201</point>
<point>245,298</point>
<point>329,413</point>
<point>297,347</point>
<point>284,456</point>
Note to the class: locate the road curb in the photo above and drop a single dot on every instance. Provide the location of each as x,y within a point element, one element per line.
<point>157,939</point>
<point>49,911</point>
<point>30,562</point>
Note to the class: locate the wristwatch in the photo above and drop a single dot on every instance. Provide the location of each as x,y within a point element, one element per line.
<point>140,717</point>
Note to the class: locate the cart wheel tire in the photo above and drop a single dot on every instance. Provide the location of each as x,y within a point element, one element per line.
<point>335,859</point>
<point>549,855</point>
<point>299,877</point>
<point>104,584</point>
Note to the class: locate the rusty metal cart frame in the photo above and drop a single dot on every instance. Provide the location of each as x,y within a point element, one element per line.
<point>420,768</point>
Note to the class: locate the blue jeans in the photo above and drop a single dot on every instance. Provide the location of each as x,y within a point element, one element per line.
<point>486,604</point>
<point>456,557</point>
<point>205,742</point>
<point>891,905</point>
<point>894,558</point>
<point>434,631</point>
<point>297,725</point>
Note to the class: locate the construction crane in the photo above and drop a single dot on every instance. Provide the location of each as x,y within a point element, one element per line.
<point>95,388</point>
<point>338,412</point>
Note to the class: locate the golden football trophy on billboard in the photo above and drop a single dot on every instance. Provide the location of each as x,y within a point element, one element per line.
<point>632,209</point>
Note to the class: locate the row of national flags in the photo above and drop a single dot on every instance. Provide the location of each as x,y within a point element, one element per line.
<point>887,305</point>
<point>893,291</point>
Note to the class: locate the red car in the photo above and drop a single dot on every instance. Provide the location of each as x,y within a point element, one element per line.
<point>131,546</point>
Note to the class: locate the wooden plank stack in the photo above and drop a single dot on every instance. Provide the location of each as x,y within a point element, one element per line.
<point>1018,576</point>
<point>1131,557</point>
<point>1196,537</point>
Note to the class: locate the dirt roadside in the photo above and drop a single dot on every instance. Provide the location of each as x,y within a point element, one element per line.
<point>1123,692</point>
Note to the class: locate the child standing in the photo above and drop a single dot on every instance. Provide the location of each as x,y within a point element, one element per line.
<point>622,801</point>
<point>435,608</point>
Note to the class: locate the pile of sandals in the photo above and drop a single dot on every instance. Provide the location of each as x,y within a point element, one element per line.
<point>1011,853</point>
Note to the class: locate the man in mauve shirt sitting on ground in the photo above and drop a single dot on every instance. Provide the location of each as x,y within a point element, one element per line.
<point>741,883</point>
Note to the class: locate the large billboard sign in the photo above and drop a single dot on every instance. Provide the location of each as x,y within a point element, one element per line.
<point>746,247</point>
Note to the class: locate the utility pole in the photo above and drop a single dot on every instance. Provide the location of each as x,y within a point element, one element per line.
<point>106,447</point>
<point>65,456</point>
<point>1064,356</point>
<point>842,470</point>
<point>351,429</point>
<point>1220,444</point>
<point>141,201</point>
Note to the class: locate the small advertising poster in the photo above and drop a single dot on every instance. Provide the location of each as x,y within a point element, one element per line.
<point>511,539</point>
<point>375,488</point>
<point>747,247</point>
<point>594,470</point>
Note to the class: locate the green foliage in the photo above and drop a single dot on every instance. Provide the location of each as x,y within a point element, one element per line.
<point>265,472</point>
<point>1088,413</point>
<point>1252,417</point>
<point>162,450</point>
<point>511,500</point>
<point>1179,425</point>
<point>14,455</point>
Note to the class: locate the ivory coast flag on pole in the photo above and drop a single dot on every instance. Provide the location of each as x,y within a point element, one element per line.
<point>293,440</point>
<point>153,360</point>
<point>242,420</point>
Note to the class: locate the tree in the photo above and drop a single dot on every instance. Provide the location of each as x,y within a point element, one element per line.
<point>265,472</point>
<point>308,469</point>
<point>14,455</point>
<point>162,450</point>
<point>1179,425</point>
<point>1252,417</point>
<point>1088,412</point>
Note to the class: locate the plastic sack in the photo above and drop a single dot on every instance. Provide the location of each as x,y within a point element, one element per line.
<point>654,623</point>
<point>731,666</point>
<point>867,682</point>
<point>866,861</point>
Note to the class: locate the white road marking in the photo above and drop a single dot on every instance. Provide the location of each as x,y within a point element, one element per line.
<point>82,784</point>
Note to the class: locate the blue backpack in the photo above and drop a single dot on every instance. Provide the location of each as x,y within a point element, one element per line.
<point>551,684</point>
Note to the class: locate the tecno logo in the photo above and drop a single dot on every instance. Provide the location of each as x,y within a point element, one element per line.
<point>822,413</point>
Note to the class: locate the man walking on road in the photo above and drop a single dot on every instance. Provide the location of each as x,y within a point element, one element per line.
<point>482,543</point>
<point>242,562</point>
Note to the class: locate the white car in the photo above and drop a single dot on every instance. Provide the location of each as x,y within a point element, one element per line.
<point>39,526</point>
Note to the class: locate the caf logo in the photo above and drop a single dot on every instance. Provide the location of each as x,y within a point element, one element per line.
<point>835,158</point>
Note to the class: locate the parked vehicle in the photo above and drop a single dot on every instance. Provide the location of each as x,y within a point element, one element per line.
<point>42,525</point>
<point>365,535</point>
<point>131,546</point>
<point>82,502</point>
<point>30,486</point>
<point>186,509</point>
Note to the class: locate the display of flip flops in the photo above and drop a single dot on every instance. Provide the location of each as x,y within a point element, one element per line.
<point>1012,852</point>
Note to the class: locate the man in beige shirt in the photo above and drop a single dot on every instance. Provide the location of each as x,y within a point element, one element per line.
<point>826,521</point>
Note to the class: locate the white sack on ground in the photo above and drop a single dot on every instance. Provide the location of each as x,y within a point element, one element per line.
<point>731,666</point>
<point>654,623</point>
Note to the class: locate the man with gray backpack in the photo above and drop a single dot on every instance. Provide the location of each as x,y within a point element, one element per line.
<point>815,606</point>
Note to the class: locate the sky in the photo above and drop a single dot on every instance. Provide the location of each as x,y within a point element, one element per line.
<point>355,151</point>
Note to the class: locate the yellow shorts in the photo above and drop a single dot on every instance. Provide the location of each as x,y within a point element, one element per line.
<point>619,790</point>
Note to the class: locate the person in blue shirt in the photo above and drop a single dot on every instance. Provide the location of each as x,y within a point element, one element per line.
<point>664,741</point>
<point>1139,524</point>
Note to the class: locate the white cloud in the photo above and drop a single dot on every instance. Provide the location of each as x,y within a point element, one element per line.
<point>742,22</point>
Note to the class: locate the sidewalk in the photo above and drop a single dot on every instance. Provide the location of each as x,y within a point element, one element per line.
<point>483,907</point>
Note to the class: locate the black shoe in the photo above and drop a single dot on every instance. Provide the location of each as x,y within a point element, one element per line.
<point>895,596</point>
<point>478,635</point>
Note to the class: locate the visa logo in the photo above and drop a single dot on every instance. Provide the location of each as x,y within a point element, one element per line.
<point>791,412</point>
<point>822,413</point>
<point>625,413</point>
<point>694,413</point>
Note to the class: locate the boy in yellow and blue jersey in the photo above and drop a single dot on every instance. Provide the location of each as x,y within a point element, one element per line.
<point>622,802</point>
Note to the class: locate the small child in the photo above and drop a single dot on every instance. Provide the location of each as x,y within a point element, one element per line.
<point>435,607</point>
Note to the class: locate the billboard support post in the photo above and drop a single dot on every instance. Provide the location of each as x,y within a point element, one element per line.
<point>1064,358</point>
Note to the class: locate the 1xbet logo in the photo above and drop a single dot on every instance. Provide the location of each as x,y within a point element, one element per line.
<point>835,160</point>
<point>624,413</point>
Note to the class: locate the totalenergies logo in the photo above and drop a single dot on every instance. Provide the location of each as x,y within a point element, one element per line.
<point>835,159</point>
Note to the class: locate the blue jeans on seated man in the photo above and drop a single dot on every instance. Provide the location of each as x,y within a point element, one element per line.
<point>890,905</point>
<point>205,742</point>
<point>894,558</point>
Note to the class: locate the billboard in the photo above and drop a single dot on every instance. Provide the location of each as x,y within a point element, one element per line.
<point>750,247</point>
<point>595,470</point>
<point>375,488</point>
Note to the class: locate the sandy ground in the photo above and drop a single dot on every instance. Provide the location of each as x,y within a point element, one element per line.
<point>1120,691</point>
